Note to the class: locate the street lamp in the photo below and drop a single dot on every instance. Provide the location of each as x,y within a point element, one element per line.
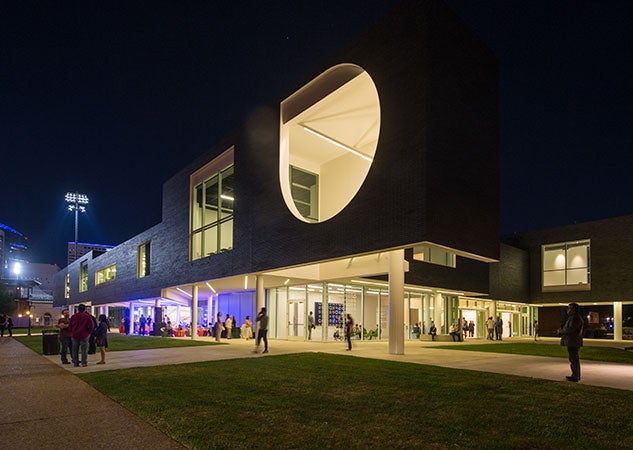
<point>29,315</point>
<point>76,202</point>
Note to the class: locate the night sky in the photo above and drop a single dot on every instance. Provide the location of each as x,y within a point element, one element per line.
<point>113,98</point>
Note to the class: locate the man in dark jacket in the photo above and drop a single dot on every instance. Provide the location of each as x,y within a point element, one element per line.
<point>571,337</point>
<point>81,326</point>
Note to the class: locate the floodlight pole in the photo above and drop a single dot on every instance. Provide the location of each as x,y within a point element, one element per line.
<point>76,201</point>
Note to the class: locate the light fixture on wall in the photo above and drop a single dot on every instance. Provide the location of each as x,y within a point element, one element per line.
<point>335,142</point>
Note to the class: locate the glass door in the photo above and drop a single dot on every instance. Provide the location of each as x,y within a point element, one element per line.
<point>296,319</point>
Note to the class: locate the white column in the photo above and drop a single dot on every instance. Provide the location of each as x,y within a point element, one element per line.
<point>194,311</point>
<point>617,321</point>
<point>396,303</point>
<point>259,293</point>
<point>427,312</point>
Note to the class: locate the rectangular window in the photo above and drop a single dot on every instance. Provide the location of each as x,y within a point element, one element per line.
<point>434,255</point>
<point>67,286</point>
<point>212,200</point>
<point>83,276</point>
<point>105,275</point>
<point>304,187</point>
<point>566,266</point>
<point>143,262</point>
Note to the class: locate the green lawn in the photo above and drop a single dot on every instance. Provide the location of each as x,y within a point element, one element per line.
<point>319,400</point>
<point>606,354</point>
<point>120,342</point>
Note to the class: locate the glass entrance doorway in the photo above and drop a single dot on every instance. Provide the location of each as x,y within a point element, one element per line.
<point>296,319</point>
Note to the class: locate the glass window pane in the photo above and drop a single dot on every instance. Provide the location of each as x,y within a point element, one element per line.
<point>197,208</point>
<point>577,276</point>
<point>211,200</point>
<point>554,258</point>
<point>210,241</point>
<point>226,235</point>
<point>228,191</point>
<point>577,256</point>
<point>554,278</point>
<point>196,246</point>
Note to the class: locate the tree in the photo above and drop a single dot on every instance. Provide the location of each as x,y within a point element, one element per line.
<point>7,303</point>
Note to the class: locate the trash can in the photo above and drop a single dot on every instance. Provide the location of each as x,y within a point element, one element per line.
<point>50,342</point>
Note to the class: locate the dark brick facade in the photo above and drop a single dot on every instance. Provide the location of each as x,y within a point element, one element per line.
<point>434,178</point>
<point>611,260</point>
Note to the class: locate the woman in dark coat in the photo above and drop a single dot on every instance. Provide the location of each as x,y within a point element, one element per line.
<point>101,336</point>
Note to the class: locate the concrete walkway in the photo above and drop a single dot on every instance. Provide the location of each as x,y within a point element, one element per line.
<point>46,406</point>
<point>618,376</point>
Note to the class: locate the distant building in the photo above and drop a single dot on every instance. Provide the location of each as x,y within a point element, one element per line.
<point>12,249</point>
<point>78,249</point>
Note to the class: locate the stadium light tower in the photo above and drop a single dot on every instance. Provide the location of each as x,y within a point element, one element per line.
<point>76,202</point>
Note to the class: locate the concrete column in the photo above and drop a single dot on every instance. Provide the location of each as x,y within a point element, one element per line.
<point>194,311</point>
<point>260,296</point>
<point>396,302</point>
<point>427,313</point>
<point>617,321</point>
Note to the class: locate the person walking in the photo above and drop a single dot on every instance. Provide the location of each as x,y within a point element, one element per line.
<point>571,337</point>
<point>349,328</point>
<point>64,336</point>
<point>81,326</point>
<point>3,324</point>
<point>262,330</point>
<point>101,336</point>
<point>10,325</point>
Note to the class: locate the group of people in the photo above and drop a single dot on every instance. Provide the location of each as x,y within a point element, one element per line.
<point>82,331</point>
<point>6,323</point>
<point>225,328</point>
<point>494,328</point>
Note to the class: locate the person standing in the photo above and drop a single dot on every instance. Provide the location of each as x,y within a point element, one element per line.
<point>218,327</point>
<point>10,325</point>
<point>141,325</point>
<point>262,330</point>
<point>228,324</point>
<point>101,336</point>
<point>490,326</point>
<point>499,328</point>
<point>64,336</point>
<point>571,337</point>
<point>535,330</point>
<point>81,326</point>
<point>311,325</point>
<point>247,328</point>
<point>3,324</point>
<point>349,328</point>
<point>509,328</point>
<point>433,331</point>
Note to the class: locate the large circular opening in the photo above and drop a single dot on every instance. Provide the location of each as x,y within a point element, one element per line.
<point>329,135</point>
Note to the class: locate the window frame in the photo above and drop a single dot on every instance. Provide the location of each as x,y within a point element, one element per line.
<point>215,173</point>
<point>143,257</point>
<point>565,247</point>
<point>106,271</point>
